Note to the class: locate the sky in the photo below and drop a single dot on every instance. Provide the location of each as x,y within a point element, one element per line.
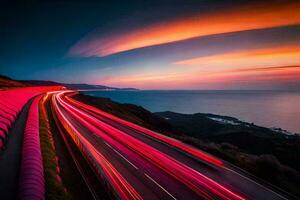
<point>178,44</point>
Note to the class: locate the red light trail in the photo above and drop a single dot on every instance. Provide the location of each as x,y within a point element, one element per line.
<point>139,153</point>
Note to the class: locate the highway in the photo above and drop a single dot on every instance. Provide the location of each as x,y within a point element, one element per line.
<point>142,164</point>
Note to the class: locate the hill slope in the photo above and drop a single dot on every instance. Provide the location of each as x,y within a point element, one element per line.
<point>73,86</point>
<point>6,82</point>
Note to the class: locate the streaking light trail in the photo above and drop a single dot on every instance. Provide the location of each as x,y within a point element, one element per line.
<point>140,153</point>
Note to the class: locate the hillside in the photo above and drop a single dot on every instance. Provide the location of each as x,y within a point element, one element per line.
<point>79,86</point>
<point>73,86</point>
<point>6,82</point>
<point>247,137</point>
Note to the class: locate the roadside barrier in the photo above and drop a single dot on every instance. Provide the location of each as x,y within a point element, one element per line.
<point>32,183</point>
<point>12,102</point>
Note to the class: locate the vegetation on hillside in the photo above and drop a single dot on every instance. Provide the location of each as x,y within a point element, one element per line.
<point>55,189</point>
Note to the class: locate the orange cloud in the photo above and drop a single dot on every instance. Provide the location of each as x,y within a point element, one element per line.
<point>238,19</point>
<point>272,57</point>
<point>288,73</point>
<point>230,79</point>
<point>284,77</point>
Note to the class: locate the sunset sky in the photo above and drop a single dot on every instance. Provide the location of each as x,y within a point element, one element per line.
<point>154,44</point>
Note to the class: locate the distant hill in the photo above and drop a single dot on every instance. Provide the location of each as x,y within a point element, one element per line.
<point>75,86</point>
<point>6,82</point>
<point>81,86</point>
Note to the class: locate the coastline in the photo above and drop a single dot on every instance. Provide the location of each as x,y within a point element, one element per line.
<point>263,108</point>
<point>267,154</point>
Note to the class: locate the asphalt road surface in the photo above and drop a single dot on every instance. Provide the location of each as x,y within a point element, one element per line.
<point>141,164</point>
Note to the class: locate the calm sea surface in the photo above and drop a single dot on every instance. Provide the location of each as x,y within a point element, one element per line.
<point>265,108</point>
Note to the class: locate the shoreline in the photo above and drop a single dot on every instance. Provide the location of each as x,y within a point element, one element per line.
<point>267,154</point>
<point>240,119</point>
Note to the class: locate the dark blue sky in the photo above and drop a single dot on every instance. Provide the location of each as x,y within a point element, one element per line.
<point>36,35</point>
<point>36,38</point>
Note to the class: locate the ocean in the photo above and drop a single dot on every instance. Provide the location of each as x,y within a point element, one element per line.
<point>280,109</point>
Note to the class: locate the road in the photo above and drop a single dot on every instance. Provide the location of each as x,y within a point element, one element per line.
<point>141,164</point>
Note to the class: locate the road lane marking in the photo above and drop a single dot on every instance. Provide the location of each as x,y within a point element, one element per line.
<point>249,179</point>
<point>108,145</point>
<point>125,159</point>
<point>121,155</point>
<point>160,186</point>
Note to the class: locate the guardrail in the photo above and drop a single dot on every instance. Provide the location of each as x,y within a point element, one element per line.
<point>12,102</point>
<point>32,184</point>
